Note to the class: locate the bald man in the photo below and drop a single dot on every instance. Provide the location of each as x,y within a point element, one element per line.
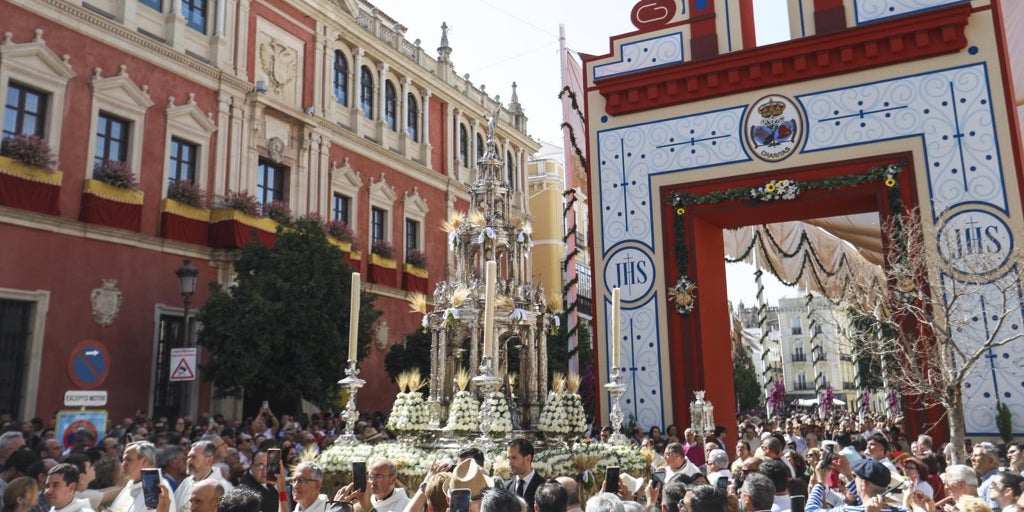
<point>206,495</point>
<point>572,489</point>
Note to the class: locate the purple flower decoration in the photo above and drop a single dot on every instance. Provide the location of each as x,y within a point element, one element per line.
<point>893,401</point>
<point>777,396</point>
<point>825,404</point>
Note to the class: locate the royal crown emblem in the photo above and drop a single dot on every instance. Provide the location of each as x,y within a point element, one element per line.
<point>773,132</point>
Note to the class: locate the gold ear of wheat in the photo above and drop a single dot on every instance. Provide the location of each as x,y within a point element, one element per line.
<point>418,303</point>
<point>504,302</point>
<point>454,222</point>
<point>554,303</point>
<point>572,384</point>
<point>682,297</point>
<point>518,222</point>
<point>308,454</point>
<point>558,382</point>
<point>460,295</point>
<point>462,379</point>
<point>403,381</point>
<point>512,378</point>
<point>476,217</point>
<point>416,381</point>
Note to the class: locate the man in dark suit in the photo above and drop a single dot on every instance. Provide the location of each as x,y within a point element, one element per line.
<point>256,480</point>
<point>525,479</point>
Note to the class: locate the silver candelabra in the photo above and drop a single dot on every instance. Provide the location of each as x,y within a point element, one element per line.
<point>352,382</point>
<point>486,382</point>
<point>616,388</point>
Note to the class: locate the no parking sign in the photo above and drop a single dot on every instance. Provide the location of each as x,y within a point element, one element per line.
<point>70,422</point>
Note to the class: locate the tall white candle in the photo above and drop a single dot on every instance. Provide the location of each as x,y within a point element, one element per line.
<point>489,278</point>
<point>353,316</point>
<point>616,333</point>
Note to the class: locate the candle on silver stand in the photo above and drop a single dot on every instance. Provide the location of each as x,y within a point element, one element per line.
<point>616,388</point>
<point>352,382</point>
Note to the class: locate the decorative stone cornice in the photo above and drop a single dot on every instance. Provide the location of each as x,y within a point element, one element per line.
<point>907,38</point>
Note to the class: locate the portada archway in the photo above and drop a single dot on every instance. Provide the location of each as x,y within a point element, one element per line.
<point>687,103</point>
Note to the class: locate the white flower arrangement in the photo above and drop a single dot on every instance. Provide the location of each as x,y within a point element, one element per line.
<point>414,463</point>
<point>563,411</point>
<point>775,190</point>
<point>501,425</point>
<point>410,413</point>
<point>464,413</point>
<point>453,240</point>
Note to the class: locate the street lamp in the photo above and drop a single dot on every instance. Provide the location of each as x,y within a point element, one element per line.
<point>187,277</point>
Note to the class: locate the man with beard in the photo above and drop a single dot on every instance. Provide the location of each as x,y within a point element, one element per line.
<point>256,480</point>
<point>200,467</point>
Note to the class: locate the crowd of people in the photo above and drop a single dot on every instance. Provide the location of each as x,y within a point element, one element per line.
<point>799,464</point>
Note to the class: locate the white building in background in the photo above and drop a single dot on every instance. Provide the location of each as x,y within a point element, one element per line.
<point>803,327</point>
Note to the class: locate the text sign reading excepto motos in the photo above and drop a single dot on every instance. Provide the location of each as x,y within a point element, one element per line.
<point>183,364</point>
<point>77,398</point>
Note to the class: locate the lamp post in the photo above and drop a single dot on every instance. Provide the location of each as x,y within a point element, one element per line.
<point>187,277</point>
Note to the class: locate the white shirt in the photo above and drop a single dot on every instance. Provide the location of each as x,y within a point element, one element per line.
<point>394,503</point>
<point>183,496</point>
<point>132,499</point>
<point>76,505</point>
<point>320,505</point>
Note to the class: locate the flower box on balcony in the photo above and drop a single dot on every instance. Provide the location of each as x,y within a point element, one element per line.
<point>383,270</point>
<point>29,188</point>
<point>184,223</point>
<point>112,206</point>
<point>231,229</point>
<point>414,279</point>
<point>346,250</point>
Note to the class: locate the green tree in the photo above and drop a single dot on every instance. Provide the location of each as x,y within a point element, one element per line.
<point>413,352</point>
<point>280,331</point>
<point>748,390</point>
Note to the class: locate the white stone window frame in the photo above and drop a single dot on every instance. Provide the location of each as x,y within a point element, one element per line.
<point>189,123</point>
<point>40,300</point>
<point>415,208</point>
<point>119,96</point>
<point>383,196</point>
<point>34,65</point>
<point>346,181</point>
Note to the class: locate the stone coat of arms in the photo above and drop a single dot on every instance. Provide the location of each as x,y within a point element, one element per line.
<point>106,302</point>
<point>279,62</point>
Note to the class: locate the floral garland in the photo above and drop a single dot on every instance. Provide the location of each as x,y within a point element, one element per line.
<point>775,190</point>
<point>786,189</point>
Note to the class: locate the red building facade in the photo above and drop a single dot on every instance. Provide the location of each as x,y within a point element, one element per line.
<point>324,106</point>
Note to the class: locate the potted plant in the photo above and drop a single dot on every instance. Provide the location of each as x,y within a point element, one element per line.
<point>382,263</point>
<point>112,197</point>
<point>184,216</point>
<point>339,233</point>
<point>235,220</point>
<point>278,211</point>
<point>28,175</point>
<point>414,272</point>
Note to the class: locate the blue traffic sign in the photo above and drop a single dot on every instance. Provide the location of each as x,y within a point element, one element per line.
<point>89,364</point>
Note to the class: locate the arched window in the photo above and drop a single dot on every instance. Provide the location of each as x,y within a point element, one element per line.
<point>463,145</point>
<point>366,92</point>
<point>510,168</point>
<point>390,105</point>
<point>413,117</point>
<point>340,78</point>
<point>479,146</point>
